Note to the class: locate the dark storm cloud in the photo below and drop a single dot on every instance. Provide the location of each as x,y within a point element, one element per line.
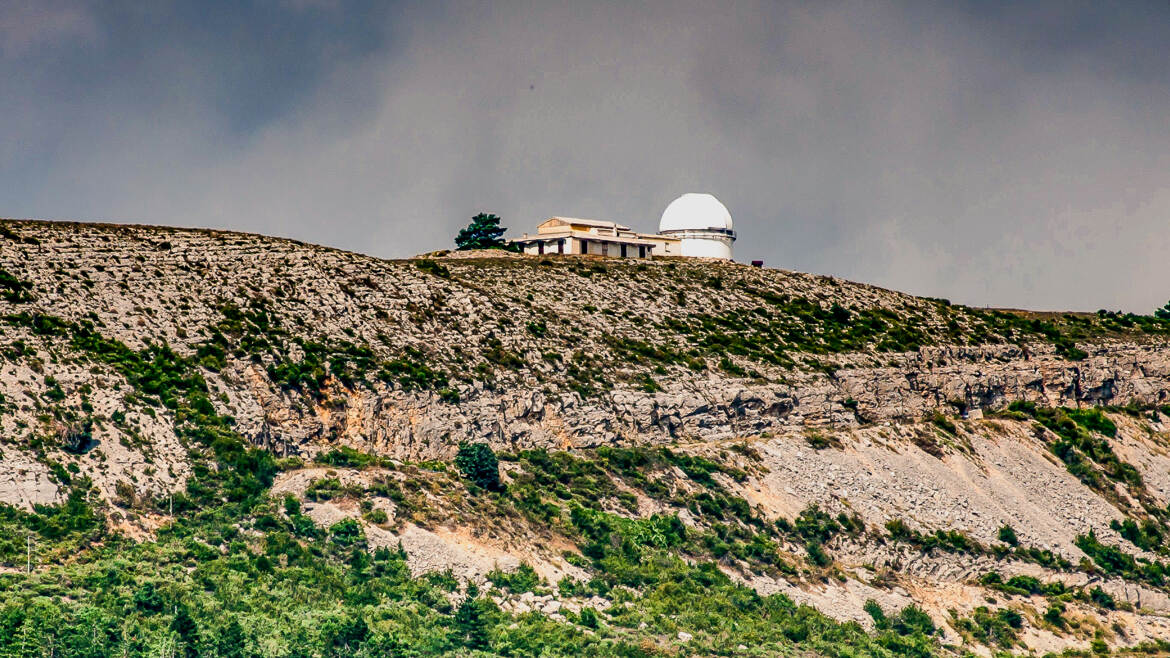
<point>994,153</point>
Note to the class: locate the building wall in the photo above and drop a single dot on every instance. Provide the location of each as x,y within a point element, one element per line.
<point>550,247</point>
<point>715,247</point>
<point>593,247</point>
<point>663,247</point>
<point>611,249</point>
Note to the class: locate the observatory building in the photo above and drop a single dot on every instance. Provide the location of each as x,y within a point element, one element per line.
<point>701,224</point>
<point>693,225</point>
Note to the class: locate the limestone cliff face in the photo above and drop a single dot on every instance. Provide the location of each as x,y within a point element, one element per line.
<point>520,352</point>
<point>717,408</point>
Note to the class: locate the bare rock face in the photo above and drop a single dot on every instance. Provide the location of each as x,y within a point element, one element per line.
<point>992,377</point>
<point>24,482</point>
<point>970,381</point>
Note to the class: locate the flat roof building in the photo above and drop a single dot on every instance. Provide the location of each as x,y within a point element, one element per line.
<point>695,225</point>
<point>571,235</point>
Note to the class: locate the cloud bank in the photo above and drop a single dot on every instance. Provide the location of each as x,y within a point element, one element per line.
<point>993,154</point>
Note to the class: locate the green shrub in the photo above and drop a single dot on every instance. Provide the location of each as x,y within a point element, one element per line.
<point>815,524</point>
<point>1085,454</point>
<point>729,366</point>
<point>874,610</point>
<point>1112,560</point>
<point>910,621</point>
<point>376,515</point>
<point>346,456</point>
<point>147,598</point>
<point>1102,598</point>
<point>913,619</point>
<point>997,628</point>
<point>588,618</point>
<point>1093,420</point>
<point>14,290</point>
<point>951,541</point>
<point>817,554</point>
<point>700,468</point>
<point>323,489</point>
<point>523,579</point>
<point>1055,614</point>
<point>647,384</point>
<point>471,625</point>
<point>478,463</point>
<point>431,267</point>
<point>945,424</point>
<point>346,532</point>
<point>1007,535</point>
<point>1148,536</point>
<point>818,441</point>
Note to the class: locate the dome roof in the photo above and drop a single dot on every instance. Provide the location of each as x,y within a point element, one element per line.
<point>694,211</point>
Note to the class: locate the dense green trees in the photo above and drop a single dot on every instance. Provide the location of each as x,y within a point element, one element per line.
<point>248,575</point>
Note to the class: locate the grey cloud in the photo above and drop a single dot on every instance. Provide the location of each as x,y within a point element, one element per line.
<point>988,153</point>
<point>28,25</point>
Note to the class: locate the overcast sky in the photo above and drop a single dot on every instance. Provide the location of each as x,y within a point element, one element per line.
<point>1013,154</point>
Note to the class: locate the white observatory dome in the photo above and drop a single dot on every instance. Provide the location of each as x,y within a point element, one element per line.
<point>700,224</point>
<point>693,211</point>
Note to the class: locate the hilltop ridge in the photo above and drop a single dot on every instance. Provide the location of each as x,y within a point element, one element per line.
<point>656,351</point>
<point>150,363</point>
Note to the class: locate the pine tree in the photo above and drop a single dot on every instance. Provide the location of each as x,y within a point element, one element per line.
<point>349,636</point>
<point>187,630</point>
<point>484,232</point>
<point>231,641</point>
<point>471,628</point>
<point>147,599</point>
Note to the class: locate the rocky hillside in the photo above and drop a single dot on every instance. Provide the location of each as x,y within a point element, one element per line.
<point>931,478</point>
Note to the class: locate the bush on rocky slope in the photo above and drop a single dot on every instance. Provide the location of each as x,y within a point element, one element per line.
<point>478,464</point>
